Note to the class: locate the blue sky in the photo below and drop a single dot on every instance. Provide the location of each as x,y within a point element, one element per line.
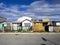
<point>37,9</point>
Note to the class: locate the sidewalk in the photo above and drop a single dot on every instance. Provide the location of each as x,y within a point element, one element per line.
<point>29,33</point>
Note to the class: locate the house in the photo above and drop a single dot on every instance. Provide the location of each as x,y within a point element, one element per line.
<point>23,23</point>
<point>46,23</point>
<point>2,23</point>
<point>56,23</point>
<point>26,24</point>
<point>16,26</point>
<point>56,26</point>
<point>38,26</point>
<point>8,26</point>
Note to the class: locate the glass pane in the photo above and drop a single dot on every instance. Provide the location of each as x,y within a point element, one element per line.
<point>27,24</point>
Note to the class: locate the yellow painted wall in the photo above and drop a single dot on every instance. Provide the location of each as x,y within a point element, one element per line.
<point>46,20</point>
<point>48,23</point>
<point>37,27</point>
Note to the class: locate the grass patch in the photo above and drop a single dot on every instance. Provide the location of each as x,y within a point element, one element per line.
<point>9,30</point>
<point>19,30</point>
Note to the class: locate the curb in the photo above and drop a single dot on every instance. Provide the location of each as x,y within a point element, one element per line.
<point>30,33</point>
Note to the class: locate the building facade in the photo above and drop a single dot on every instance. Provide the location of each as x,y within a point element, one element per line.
<point>2,23</point>
<point>23,22</point>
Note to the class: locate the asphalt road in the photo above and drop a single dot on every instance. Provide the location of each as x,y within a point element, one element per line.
<point>29,39</point>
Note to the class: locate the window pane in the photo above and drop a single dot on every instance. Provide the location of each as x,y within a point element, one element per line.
<point>27,24</point>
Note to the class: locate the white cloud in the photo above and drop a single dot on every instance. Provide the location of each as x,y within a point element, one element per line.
<point>2,5</point>
<point>38,10</point>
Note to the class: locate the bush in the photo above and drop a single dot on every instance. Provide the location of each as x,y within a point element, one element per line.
<point>19,30</point>
<point>30,28</point>
<point>9,30</point>
<point>0,30</point>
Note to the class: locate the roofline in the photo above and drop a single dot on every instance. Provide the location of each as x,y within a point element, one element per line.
<point>26,19</point>
<point>21,22</point>
<point>3,17</point>
<point>56,21</point>
<point>26,16</point>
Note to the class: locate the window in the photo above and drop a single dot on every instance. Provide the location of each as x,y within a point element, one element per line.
<point>27,24</point>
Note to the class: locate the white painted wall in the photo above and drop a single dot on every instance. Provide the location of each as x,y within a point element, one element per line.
<point>51,28</point>
<point>26,21</point>
<point>23,20</point>
<point>58,23</point>
<point>5,24</point>
<point>14,26</point>
<point>23,24</point>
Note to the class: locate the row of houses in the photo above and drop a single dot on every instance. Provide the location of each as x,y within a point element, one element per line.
<point>28,23</point>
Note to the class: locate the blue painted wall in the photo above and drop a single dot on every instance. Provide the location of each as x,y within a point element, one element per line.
<point>1,26</point>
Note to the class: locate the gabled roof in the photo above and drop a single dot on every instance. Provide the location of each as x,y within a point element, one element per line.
<point>20,22</point>
<point>26,19</point>
<point>23,18</point>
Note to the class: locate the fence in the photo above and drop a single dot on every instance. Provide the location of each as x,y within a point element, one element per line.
<point>21,28</point>
<point>56,28</point>
<point>16,28</point>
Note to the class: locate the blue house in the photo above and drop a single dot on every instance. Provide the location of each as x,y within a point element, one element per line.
<point>2,20</point>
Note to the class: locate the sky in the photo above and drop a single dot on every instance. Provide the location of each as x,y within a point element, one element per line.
<point>37,9</point>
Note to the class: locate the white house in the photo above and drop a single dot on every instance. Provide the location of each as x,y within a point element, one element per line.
<point>25,22</point>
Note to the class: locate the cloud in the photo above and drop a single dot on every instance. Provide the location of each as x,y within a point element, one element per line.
<point>45,10</point>
<point>37,10</point>
<point>2,5</point>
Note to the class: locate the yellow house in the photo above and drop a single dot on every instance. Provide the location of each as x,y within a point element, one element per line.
<point>37,26</point>
<point>40,25</point>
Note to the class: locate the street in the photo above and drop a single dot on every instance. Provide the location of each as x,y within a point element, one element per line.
<point>29,39</point>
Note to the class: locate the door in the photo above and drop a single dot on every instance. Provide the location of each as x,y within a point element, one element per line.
<point>47,28</point>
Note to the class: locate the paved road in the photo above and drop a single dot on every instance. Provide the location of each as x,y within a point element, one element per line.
<point>28,39</point>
